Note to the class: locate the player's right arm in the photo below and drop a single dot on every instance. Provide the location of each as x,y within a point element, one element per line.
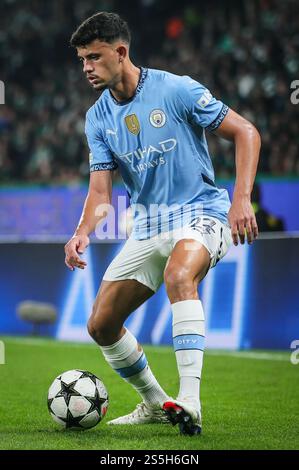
<point>98,197</point>
<point>99,194</point>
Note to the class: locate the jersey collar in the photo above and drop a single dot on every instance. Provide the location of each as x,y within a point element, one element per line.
<point>140,84</point>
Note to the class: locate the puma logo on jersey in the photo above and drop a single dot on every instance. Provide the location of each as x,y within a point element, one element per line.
<point>110,131</point>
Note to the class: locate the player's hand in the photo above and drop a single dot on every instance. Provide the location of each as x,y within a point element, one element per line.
<point>242,221</point>
<point>75,247</point>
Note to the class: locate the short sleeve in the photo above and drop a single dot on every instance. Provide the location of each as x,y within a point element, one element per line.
<point>202,108</point>
<point>100,157</point>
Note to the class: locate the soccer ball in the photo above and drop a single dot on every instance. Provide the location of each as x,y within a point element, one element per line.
<point>77,399</point>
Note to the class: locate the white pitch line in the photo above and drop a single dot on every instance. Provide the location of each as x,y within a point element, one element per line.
<point>44,342</point>
<point>260,356</point>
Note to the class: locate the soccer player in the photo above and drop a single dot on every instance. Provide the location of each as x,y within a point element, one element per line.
<point>151,124</point>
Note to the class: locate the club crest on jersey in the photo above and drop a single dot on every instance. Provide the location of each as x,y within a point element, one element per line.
<point>132,124</point>
<point>157,118</point>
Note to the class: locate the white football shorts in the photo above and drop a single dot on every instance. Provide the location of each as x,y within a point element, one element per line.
<point>145,260</point>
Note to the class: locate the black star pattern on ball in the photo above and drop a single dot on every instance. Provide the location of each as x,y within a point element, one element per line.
<point>67,391</point>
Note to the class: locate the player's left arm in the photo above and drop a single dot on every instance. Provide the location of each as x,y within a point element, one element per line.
<point>247,147</point>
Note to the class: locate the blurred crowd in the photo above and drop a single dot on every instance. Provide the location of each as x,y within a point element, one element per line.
<point>245,52</point>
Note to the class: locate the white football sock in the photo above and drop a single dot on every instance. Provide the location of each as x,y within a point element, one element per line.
<point>127,358</point>
<point>188,340</point>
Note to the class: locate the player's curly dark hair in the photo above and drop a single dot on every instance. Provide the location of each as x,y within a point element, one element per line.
<point>107,27</point>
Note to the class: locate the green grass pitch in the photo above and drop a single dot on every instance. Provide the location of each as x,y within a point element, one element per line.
<point>249,400</point>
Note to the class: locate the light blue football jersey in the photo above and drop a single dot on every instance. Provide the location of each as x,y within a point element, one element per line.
<point>157,140</point>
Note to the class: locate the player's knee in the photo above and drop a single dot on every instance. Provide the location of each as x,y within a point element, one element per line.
<point>102,326</point>
<point>98,330</point>
<point>178,283</point>
<point>92,327</point>
<point>175,276</point>
<point>96,325</point>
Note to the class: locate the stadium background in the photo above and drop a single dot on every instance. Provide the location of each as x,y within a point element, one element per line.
<point>247,54</point>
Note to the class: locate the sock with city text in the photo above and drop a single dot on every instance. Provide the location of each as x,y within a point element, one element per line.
<point>188,341</point>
